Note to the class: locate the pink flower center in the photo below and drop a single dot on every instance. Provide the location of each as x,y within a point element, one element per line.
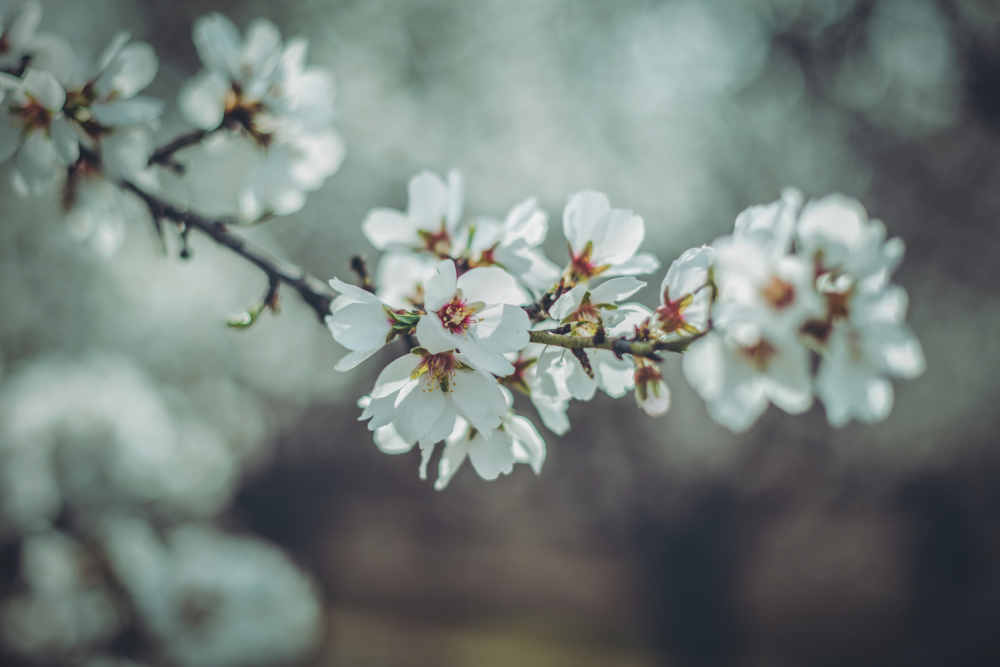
<point>438,370</point>
<point>458,315</point>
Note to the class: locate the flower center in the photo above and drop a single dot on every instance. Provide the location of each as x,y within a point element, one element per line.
<point>437,243</point>
<point>760,354</point>
<point>581,267</point>
<point>34,115</point>
<point>438,370</point>
<point>778,293</point>
<point>458,315</point>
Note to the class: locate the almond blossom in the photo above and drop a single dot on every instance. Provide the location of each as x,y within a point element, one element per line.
<point>34,126</point>
<point>359,321</point>
<point>862,336</point>
<point>430,388</point>
<point>475,314</point>
<point>513,244</point>
<point>262,87</point>
<point>516,440</point>
<point>431,219</point>
<point>686,294</point>
<point>604,241</point>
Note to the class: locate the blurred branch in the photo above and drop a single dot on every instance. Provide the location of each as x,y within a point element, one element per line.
<point>316,293</point>
<point>164,156</point>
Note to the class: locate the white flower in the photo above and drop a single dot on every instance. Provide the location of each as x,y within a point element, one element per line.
<point>401,278</point>
<point>214,600</point>
<point>429,223</point>
<point>685,294</point>
<point>111,96</point>
<point>21,43</point>
<point>861,351</point>
<point>474,314</point>
<point>79,612</point>
<point>33,121</point>
<point>738,367</point>
<point>604,241</point>
<point>513,244</point>
<point>429,389</point>
<point>862,336</point>
<point>255,85</point>
<point>359,321</point>
<point>592,308</point>
<point>515,441</point>
<point>835,234</point>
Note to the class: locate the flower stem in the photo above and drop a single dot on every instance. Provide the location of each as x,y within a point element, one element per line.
<point>316,293</point>
<point>647,349</point>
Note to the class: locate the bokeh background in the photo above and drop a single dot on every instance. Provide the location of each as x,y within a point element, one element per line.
<point>137,427</point>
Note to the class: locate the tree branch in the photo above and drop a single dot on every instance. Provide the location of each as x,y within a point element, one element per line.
<point>647,349</point>
<point>164,156</point>
<point>316,293</point>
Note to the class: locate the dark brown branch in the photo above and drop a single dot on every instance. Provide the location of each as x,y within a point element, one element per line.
<point>313,291</point>
<point>164,156</point>
<point>360,268</point>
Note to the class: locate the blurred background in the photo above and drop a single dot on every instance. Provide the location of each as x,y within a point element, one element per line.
<point>173,492</point>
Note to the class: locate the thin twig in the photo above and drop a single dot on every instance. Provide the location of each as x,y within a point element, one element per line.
<point>164,156</point>
<point>316,293</point>
<point>360,268</point>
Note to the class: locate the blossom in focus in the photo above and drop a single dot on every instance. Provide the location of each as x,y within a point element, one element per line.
<point>431,219</point>
<point>474,313</point>
<point>685,294</point>
<point>429,389</point>
<point>604,241</point>
<point>359,321</point>
<point>33,125</point>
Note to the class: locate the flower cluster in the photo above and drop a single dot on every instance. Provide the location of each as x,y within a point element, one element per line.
<point>483,311</point>
<point>88,128</point>
<point>796,304</point>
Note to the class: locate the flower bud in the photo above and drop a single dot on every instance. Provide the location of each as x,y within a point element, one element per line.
<point>651,392</point>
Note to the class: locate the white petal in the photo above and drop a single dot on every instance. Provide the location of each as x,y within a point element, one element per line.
<point>37,162</point>
<point>567,304</point>
<point>133,69</point>
<point>637,265</point>
<point>479,399</point>
<point>487,284</point>
<point>433,337</point>
<point>360,326</point>
<point>492,457</point>
<point>262,47</point>
<point>10,136</point>
<point>617,237</point>
<point>528,444</point>
<point>352,359</point>
<point>579,216</point>
<point>615,290</point>
<point>389,441</point>
<point>385,227</point>
<point>218,43</point>
<point>395,376</point>
<point>64,139</point>
<point>429,201</point>
<point>418,409</point>
<point>456,200</point>
<point>202,99</point>
<point>688,273</point>
<point>440,289</point>
<point>45,89</point>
